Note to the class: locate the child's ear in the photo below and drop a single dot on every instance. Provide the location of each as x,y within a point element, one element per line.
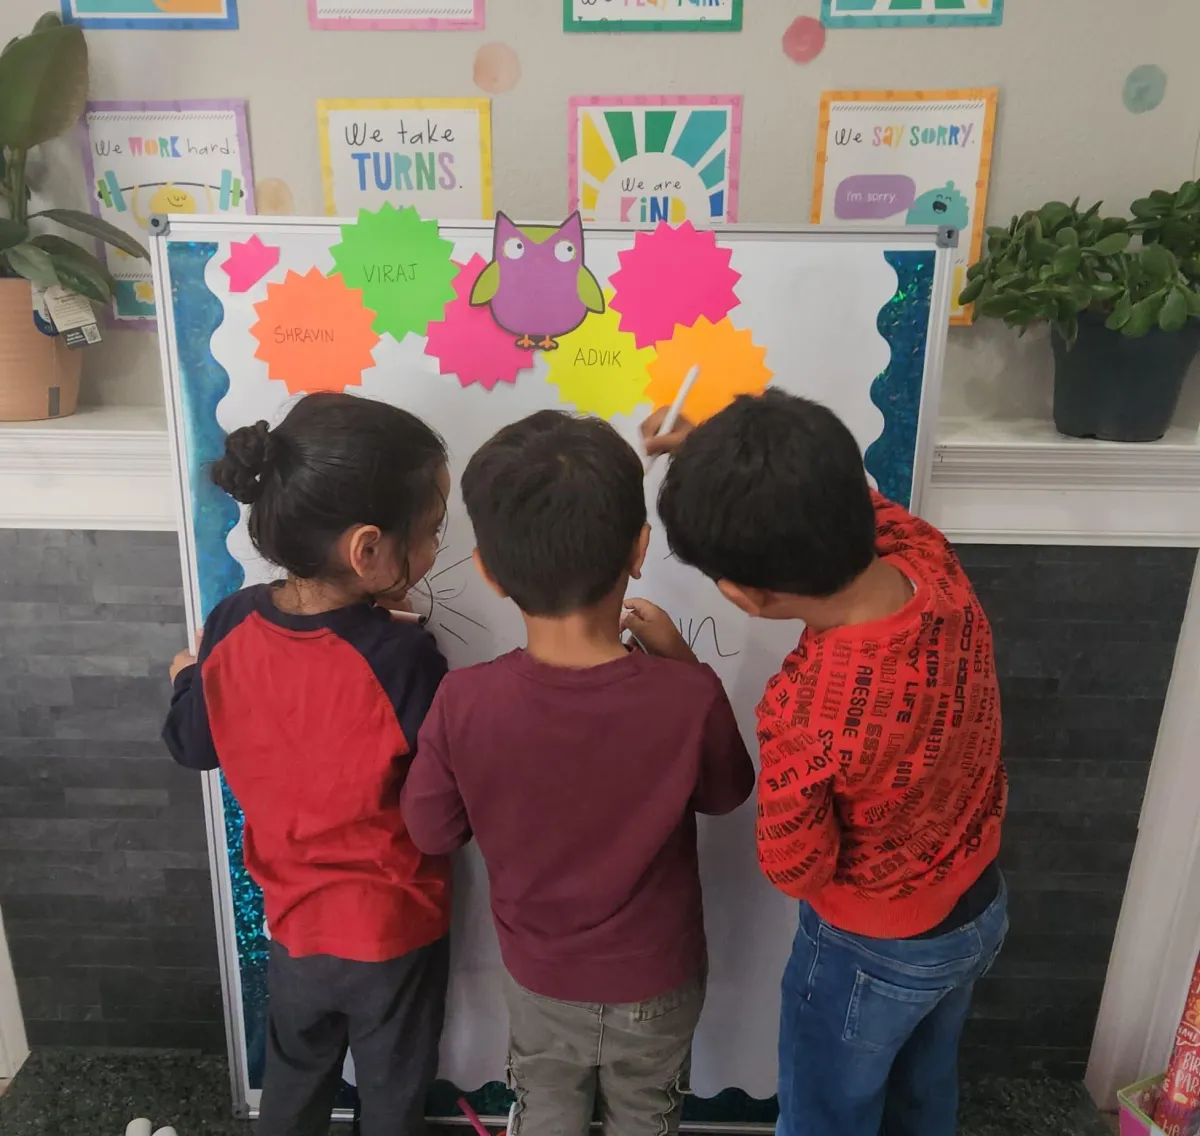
<point>481,568</point>
<point>361,547</point>
<point>639,553</point>
<point>752,601</point>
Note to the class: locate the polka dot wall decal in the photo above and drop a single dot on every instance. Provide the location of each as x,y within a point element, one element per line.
<point>274,196</point>
<point>497,68</point>
<point>1145,87</point>
<point>804,39</point>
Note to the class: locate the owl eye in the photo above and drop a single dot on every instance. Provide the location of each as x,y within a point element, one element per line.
<point>514,248</point>
<point>564,251</point>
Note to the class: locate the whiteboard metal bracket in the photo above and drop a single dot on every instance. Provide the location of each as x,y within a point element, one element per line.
<point>947,237</point>
<point>160,224</point>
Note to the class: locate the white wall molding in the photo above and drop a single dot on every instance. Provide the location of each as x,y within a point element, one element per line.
<point>1020,482</point>
<point>103,468</point>
<point>1006,483</point>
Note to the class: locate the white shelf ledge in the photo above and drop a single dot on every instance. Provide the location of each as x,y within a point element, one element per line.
<point>1014,482</point>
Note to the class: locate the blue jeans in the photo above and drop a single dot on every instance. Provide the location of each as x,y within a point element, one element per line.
<point>868,1033</point>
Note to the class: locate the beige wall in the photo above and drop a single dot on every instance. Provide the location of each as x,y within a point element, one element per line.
<point>1062,130</point>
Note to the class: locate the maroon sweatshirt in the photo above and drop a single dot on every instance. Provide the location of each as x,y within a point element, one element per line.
<point>582,788</point>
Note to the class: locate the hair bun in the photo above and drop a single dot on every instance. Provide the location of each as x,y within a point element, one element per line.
<point>250,454</point>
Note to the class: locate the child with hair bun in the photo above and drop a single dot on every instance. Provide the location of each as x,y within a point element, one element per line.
<point>308,695</point>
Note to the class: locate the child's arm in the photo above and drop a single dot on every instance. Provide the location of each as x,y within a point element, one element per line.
<point>726,771</point>
<point>433,808</point>
<point>187,732</point>
<point>797,834</point>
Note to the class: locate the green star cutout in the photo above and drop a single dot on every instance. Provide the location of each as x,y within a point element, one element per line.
<point>402,265</point>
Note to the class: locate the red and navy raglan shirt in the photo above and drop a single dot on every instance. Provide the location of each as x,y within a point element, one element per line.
<point>313,721</point>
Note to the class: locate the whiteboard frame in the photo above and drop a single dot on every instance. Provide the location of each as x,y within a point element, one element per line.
<point>215,227</point>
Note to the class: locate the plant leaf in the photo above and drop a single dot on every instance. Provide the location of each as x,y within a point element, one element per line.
<point>1111,244</point>
<point>43,86</point>
<point>972,291</point>
<point>1120,313</point>
<point>1188,196</point>
<point>95,227</point>
<point>1067,238</point>
<point>48,20</point>
<point>33,263</point>
<point>1174,312</point>
<point>77,268</point>
<point>12,233</point>
<point>1067,260</point>
<point>1053,214</point>
<point>1143,316</point>
<point>1159,262</point>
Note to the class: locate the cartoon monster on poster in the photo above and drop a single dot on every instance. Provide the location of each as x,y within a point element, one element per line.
<point>537,285</point>
<point>944,206</point>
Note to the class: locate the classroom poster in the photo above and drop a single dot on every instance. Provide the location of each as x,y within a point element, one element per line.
<point>641,159</point>
<point>189,15</point>
<point>908,158</point>
<point>434,154</point>
<point>910,13</point>
<point>395,15</point>
<point>652,15</point>
<point>168,157</point>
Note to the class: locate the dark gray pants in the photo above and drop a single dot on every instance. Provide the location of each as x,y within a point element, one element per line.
<point>390,1016</point>
<point>635,1059</point>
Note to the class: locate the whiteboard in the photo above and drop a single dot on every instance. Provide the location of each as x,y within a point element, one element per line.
<point>854,318</point>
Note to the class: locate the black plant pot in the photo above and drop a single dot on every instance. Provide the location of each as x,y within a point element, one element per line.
<point>1120,389</point>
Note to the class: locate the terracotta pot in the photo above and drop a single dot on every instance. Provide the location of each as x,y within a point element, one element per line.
<point>39,374</point>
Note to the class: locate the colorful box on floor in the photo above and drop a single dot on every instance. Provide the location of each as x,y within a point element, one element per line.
<point>1137,1103</point>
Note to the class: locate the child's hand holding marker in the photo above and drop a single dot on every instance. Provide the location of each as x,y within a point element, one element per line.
<point>654,631</point>
<point>666,428</point>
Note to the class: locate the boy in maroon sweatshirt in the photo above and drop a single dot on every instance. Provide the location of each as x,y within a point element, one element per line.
<point>579,766</point>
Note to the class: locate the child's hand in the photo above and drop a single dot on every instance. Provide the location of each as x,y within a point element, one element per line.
<point>667,443</point>
<point>185,658</point>
<point>654,630</point>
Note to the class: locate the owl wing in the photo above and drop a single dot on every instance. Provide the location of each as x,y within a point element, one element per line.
<point>589,290</point>
<point>486,286</point>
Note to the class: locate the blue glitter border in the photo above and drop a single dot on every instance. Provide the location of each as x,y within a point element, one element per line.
<point>203,383</point>
<point>904,322</point>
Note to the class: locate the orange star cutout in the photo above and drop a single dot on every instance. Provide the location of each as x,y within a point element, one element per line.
<point>314,333</point>
<point>730,364</point>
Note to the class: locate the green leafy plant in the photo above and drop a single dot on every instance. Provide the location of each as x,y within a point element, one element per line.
<point>1057,265</point>
<point>43,88</point>
<point>1173,221</point>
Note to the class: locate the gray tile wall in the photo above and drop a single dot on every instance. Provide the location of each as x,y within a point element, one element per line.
<point>103,863</point>
<point>1085,643</point>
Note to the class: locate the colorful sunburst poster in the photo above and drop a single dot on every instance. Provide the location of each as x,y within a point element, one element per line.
<point>910,13</point>
<point>643,159</point>
<point>160,15</point>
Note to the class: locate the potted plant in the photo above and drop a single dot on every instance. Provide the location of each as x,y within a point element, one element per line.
<point>1124,322</point>
<point>43,88</point>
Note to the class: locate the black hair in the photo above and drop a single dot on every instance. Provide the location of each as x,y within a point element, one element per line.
<point>334,461</point>
<point>557,504</point>
<point>771,493</point>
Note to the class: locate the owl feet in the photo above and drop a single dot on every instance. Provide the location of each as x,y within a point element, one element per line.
<point>548,343</point>
<point>526,343</point>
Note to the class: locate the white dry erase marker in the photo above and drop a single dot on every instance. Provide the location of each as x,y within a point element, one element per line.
<point>676,408</point>
<point>408,617</point>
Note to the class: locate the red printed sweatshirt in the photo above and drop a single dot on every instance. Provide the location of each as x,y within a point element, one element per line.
<point>881,791</point>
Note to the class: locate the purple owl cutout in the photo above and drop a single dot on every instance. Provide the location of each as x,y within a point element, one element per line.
<point>537,285</point>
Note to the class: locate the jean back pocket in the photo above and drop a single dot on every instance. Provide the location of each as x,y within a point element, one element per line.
<point>882,1015</point>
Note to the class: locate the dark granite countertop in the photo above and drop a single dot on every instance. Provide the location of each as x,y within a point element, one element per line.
<point>65,1092</point>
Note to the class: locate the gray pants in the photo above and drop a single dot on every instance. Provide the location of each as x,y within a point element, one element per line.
<point>390,1016</point>
<point>635,1059</point>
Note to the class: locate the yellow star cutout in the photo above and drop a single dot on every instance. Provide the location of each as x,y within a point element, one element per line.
<point>598,368</point>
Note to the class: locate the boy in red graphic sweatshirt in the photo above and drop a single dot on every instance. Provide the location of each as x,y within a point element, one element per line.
<point>881,792</point>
